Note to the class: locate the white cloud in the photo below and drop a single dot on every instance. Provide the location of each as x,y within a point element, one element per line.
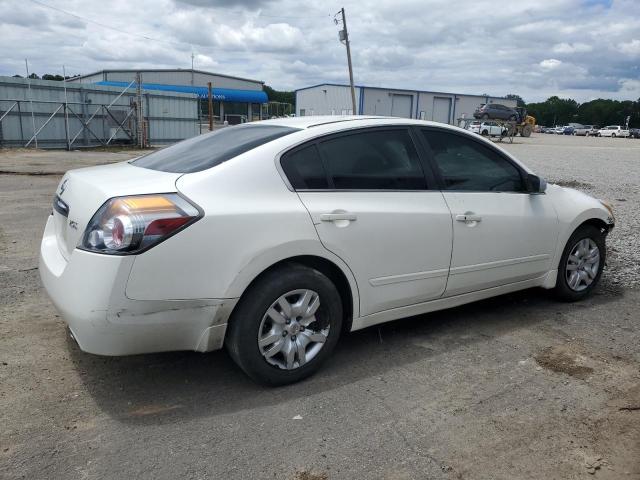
<point>550,63</point>
<point>630,88</point>
<point>533,48</point>
<point>568,48</point>
<point>630,48</point>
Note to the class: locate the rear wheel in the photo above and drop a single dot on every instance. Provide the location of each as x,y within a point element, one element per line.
<point>581,264</point>
<point>526,131</point>
<point>613,135</point>
<point>485,132</point>
<point>286,324</point>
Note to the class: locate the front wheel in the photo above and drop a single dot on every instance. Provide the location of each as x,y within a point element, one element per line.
<point>613,135</point>
<point>285,325</point>
<point>581,264</point>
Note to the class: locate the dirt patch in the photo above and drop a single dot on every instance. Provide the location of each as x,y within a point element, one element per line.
<point>561,359</point>
<point>304,475</point>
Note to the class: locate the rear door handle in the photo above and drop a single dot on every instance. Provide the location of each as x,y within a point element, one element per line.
<point>332,217</point>
<point>468,217</point>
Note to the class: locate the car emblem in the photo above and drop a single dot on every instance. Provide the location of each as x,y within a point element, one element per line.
<point>63,186</point>
<point>73,224</point>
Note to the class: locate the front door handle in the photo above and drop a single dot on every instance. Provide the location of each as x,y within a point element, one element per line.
<point>333,217</point>
<point>468,217</point>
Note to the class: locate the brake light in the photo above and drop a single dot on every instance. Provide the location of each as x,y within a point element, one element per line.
<point>129,225</point>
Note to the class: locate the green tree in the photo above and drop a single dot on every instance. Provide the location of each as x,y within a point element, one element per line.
<point>554,111</point>
<point>48,76</point>
<point>517,98</point>
<point>283,96</point>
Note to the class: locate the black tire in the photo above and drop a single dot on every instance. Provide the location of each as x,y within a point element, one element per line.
<point>242,334</point>
<point>485,132</point>
<point>485,116</point>
<point>562,289</point>
<point>613,135</point>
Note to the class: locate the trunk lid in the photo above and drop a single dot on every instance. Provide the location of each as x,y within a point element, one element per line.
<point>82,192</point>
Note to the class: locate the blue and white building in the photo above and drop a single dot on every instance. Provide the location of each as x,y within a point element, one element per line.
<point>233,96</point>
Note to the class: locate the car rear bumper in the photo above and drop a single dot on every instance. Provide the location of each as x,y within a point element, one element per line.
<point>89,292</point>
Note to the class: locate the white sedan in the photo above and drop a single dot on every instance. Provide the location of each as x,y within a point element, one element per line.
<point>273,238</point>
<point>491,129</point>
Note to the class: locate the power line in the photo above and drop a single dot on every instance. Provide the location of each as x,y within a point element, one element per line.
<point>104,25</point>
<point>145,37</point>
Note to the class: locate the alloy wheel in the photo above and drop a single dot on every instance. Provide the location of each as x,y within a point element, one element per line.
<point>290,334</point>
<point>583,264</point>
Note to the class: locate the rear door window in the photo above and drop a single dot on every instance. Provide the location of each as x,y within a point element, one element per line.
<point>211,149</point>
<point>373,160</point>
<point>304,169</point>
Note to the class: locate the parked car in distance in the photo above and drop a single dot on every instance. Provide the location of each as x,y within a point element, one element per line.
<point>613,131</point>
<point>491,129</point>
<point>496,111</point>
<point>634,133</point>
<point>274,238</point>
<point>559,130</point>
<point>568,130</point>
<point>583,130</point>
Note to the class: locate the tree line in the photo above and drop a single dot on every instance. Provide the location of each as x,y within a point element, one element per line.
<point>561,111</point>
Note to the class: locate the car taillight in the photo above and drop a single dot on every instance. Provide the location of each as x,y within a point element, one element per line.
<point>129,225</point>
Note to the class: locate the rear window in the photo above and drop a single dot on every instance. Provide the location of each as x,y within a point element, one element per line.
<point>211,149</point>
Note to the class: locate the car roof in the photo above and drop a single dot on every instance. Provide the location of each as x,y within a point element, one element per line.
<point>346,122</point>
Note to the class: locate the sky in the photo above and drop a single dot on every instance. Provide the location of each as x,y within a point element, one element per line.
<point>580,49</point>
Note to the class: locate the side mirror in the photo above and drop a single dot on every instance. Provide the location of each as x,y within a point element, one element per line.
<point>535,184</point>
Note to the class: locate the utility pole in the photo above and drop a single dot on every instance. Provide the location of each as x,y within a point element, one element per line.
<point>344,37</point>
<point>210,106</point>
<point>139,111</point>
<point>33,118</point>
<point>66,108</point>
<point>192,56</point>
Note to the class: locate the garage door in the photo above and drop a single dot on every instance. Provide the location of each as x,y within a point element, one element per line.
<point>401,105</point>
<point>441,109</point>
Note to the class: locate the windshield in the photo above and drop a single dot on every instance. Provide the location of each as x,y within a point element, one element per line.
<point>211,149</point>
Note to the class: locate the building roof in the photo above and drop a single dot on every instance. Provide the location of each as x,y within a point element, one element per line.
<point>224,94</point>
<point>410,90</point>
<point>181,70</point>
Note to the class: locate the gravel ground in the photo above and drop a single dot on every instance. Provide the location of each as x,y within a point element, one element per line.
<point>518,386</point>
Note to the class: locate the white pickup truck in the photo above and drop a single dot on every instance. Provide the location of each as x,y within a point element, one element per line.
<point>613,131</point>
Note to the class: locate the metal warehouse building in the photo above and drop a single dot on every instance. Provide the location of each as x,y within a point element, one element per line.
<point>335,99</point>
<point>235,99</point>
<point>50,114</point>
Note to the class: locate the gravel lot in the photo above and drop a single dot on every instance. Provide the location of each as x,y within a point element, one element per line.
<point>514,387</point>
